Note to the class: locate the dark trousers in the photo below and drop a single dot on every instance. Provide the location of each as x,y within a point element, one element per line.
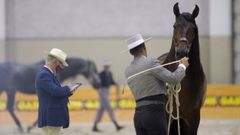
<point>150,120</point>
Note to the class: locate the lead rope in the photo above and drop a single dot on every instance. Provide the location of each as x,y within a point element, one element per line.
<point>173,92</point>
<point>147,70</point>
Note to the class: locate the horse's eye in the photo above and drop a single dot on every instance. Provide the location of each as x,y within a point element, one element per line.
<point>174,26</point>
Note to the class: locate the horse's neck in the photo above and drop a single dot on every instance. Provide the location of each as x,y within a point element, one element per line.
<point>71,72</point>
<point>171,58</point>
<point>195,69</point>
<point>67,75</point>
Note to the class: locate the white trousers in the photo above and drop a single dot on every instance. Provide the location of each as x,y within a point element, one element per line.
<point>48,130</point>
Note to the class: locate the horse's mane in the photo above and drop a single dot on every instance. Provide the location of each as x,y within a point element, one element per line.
<point>76,66</point>
<point>195,69</point>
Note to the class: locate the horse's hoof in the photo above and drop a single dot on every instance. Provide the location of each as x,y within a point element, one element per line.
<point>29,128</point>
<point>21,130</point>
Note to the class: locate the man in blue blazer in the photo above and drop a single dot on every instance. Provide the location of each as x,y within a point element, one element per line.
<point>53,111</point>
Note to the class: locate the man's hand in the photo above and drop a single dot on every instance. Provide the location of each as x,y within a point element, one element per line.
<point>184,61</point>
<point>69,84</point>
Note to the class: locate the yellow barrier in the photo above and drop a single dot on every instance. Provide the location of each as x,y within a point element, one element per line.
<point>222,101</point>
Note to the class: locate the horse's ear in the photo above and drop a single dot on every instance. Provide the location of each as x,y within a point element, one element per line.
<point>195,12</point>
<point>176,10</point>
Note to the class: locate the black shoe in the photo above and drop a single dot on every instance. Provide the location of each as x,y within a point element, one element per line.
<point>95,129</point>
<point>119,128</point>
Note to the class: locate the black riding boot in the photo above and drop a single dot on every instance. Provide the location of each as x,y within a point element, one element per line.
<point>95,129</point>
<point>118,127</point>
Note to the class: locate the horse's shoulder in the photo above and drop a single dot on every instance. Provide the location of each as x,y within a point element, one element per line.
<point>162,58</point>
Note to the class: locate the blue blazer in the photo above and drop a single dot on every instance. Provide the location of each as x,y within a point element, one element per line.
<point>53,100</point>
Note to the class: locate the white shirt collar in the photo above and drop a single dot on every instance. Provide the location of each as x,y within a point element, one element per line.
<point>140,56</point>
<point>48,68</point>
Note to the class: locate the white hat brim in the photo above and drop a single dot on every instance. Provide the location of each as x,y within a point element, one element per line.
<point>145,40</point>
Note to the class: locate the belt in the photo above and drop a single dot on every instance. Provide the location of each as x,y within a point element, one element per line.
<point>148,102</point>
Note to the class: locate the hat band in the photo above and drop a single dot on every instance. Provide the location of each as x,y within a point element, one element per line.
<point>135,44</point>
<point>59,58</point>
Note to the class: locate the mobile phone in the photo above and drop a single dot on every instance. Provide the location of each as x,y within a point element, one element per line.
<point>75,86</point>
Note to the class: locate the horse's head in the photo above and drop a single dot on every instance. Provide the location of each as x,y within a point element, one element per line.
<point>184,31</point>
<point>91,74</point>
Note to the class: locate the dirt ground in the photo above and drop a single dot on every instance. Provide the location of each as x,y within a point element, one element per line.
<point>207,127</point>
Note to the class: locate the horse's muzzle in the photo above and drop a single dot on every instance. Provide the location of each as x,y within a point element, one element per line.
<point>181,52</point>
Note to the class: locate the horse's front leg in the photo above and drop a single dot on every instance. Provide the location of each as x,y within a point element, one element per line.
<point>184,127</point>
<point>10,107</point>
<point>30,127</point>
<point>194,121</point>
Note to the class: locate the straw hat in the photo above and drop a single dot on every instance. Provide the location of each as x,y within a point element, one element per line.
<point>59,54</point>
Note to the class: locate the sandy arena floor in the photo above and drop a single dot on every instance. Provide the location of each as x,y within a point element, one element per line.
<point>207,127</point>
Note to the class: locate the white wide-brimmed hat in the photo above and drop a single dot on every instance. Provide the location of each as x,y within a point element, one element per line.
<point>135,41</point>
<point>59,54</point>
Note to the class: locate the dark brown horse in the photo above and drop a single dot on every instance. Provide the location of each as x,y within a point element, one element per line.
<point>185,42</point>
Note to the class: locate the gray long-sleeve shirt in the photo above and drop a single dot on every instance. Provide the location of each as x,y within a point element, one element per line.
<point>152,82</point>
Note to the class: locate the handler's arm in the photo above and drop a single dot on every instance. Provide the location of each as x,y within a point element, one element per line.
<point>46,83</point>
<point>168,76</point>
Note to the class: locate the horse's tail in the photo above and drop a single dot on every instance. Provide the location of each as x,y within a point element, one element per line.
<point>4,76</point>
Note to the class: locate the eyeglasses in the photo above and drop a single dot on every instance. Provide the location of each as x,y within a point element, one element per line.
<point>61,65</point>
